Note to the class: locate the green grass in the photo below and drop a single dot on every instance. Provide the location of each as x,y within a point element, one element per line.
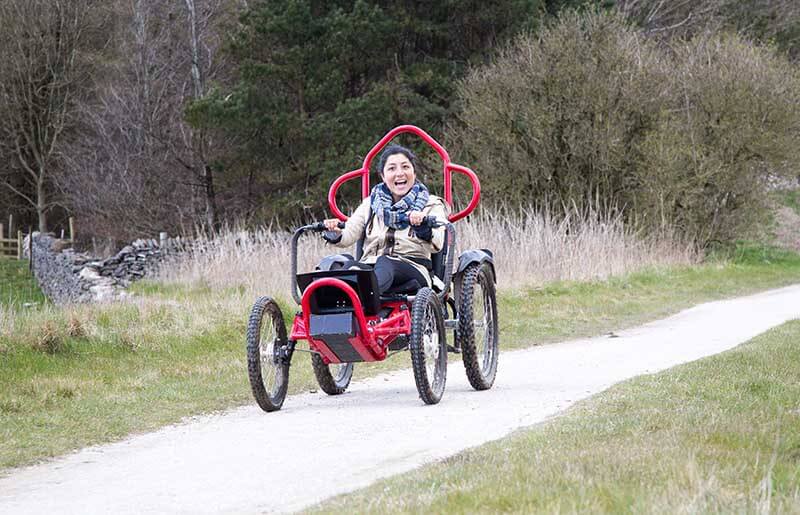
<point>17,286</point>
<point>717,435</point>
<point>90,374</point>
<point>576,309</point>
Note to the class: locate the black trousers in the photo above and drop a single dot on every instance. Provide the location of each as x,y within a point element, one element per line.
<point>391,272</point>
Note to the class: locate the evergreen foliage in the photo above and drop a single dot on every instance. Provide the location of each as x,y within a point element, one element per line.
<point>320,81</point>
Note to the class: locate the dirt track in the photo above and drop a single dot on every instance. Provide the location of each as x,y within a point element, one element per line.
<point>246,461</point>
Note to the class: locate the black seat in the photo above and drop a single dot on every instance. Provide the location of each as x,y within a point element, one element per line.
<point>330,299</point>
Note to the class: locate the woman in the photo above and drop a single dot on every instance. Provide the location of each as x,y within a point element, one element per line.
<point>397,244</point>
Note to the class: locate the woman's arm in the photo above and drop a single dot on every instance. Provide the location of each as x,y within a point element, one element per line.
<point>354,227</point>
<point>433,236</point>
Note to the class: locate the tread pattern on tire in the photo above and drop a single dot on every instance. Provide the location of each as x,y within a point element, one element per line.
<point>426,297</point>
<point>326,380</point>
<point>265,306</point>
<point>465,330</point>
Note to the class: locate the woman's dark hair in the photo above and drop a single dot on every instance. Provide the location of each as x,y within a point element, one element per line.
<point>396,149</point>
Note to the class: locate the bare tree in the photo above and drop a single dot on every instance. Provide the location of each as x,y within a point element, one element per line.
<point>763,19</point>
<point>45,63</point>
<point>200,140</point>
<point>138,167</point>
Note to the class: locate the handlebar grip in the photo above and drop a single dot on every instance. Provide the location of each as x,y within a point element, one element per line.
<point>320,226</point>
<point>331,236</point>
<point>431,221</point>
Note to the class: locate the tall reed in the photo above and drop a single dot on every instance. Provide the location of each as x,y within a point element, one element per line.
<point>531,248</point>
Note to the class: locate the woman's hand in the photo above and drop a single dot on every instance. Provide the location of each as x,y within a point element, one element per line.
<point>416,217</point>
<point>332,224</point>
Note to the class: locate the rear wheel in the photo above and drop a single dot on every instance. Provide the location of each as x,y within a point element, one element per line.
<point>477,331</point>
<point>334,378</point>
<point>267,358</point>
<point>428,345</point>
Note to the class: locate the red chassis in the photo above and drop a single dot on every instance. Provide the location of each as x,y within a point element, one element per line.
<point>373,335</point>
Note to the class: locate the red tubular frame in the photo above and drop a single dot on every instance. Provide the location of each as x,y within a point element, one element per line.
<point>370,342</point>
<point>447,169</point>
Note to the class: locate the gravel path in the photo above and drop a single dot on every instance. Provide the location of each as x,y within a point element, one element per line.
<point>246,461</point>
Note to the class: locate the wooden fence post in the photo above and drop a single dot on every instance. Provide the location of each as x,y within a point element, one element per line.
<point>1,233</point>
<point>10,225</point>
<point>71,229</point>
<point>30,248</point>
<point>19,244</point>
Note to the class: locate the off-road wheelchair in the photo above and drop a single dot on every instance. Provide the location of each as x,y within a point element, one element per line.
<point>344,321</point>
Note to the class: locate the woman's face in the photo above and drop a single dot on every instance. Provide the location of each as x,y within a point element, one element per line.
<point>398,175</point>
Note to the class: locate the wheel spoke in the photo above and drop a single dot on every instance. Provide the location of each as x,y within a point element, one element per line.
<point>430,340</point>
<point>426,344</point>
<point>487,349</point>
<point>270,369</point>
<point>266,346</point>
<point>479,320</point>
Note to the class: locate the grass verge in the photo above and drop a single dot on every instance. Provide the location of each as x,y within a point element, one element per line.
<point>90,374</point>
<point>721,434</point>
<point>17,286</point>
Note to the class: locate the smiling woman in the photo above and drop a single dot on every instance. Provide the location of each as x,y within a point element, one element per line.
<point>397,171</point>
<point>397,242</point>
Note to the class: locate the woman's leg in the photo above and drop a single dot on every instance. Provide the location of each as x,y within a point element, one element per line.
<point>391,272</point>
<point>349,264</point>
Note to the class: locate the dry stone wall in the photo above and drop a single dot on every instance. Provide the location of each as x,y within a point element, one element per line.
<point>66,276</point>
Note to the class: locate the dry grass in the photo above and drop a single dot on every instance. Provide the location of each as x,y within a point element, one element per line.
<point>177,349</point>
<point>531,248</point>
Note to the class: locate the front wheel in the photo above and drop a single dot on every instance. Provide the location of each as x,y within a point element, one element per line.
<point>267,354</point>
<point>477,331</point>
<point>334,378</point>
<point>428,345</point>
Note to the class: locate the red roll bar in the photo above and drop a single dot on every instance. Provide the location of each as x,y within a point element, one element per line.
<point>447,169</point>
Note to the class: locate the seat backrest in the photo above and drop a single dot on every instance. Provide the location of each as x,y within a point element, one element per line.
<point>439,259</point>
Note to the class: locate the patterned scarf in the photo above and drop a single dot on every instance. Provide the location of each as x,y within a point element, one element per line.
<point>395,214</point>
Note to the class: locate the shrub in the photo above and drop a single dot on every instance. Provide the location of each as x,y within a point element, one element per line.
<point>682,136</point>
<point>560,115</point>
<point>731,124</point>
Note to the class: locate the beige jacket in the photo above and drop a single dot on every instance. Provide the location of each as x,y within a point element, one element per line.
<point>406,243</point>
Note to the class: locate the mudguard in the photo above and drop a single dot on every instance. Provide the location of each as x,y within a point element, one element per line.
<point>328,262</point>
<point>475,256</point>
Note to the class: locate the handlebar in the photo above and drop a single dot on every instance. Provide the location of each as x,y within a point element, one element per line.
<point>318,227</point>
<point>315,227</point>
<point>432,222</point>
<point>429,220</point>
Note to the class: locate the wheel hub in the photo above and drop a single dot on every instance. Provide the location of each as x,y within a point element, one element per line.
<point>431,347</point>
<point>268,353</point>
